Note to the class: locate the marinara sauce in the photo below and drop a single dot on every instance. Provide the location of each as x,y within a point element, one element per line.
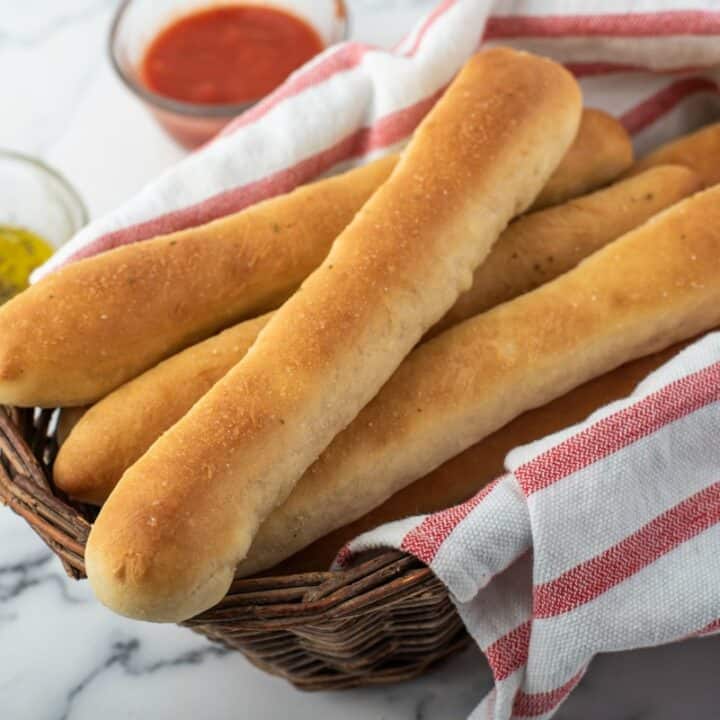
<point>228,54</point>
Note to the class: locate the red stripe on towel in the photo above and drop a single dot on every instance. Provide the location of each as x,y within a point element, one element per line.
<point>425,540</point>
<point>663,101</point>
<point>650,24</point>
<point>676,400</point>
<point>660,536</point>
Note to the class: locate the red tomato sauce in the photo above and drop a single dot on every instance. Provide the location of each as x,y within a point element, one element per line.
<point>228,54</point>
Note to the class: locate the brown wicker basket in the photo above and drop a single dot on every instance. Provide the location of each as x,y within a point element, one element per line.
<point>385,619</point>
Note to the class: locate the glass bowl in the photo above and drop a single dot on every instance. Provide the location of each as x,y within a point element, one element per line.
<point>138,22</point>
<point>37,199</point>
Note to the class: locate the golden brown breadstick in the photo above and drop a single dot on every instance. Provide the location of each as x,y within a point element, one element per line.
<point>79,334</point>
<point>69,418</point>
<point>699,150</point>
<point>166,543</point>
<point>461,477</point>
<point>540,246</point>
<point>117,431</point>
<point>534,249</point>
<point>601,152</point>
<point>657,285</point>
<point>87,328</point>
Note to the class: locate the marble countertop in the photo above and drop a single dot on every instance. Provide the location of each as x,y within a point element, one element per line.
<point>64,657</point>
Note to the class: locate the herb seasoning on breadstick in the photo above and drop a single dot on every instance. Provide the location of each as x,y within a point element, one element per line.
<point>87,328</point>
<point>458,479</point>
<point>655,286</point>
<point>532,250</point>
<point>542,245</point>
<point>165,545</point>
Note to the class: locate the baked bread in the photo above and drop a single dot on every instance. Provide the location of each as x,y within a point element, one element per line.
<point>534,249</point>
<point>91,326</point>
<point>86,329</point>
<point>69,418</point>
<point>542,245</point>
<point>166,543</point>
<point>458,479</point>
<point>699,150</point>
<point>655,286</point>
<point>601,152</point>
<point>118,430</point>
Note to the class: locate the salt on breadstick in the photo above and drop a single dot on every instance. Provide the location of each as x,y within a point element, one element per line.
<point>166,543</point>
<point>655,286</point>
<point>542,245</point>
<point>115,432</point>
<point>534,249</point>
<point>87,328</point>
<point>601,152</point>
<point>76,336</point>
<point>458,479</point>
<point>699,150</point>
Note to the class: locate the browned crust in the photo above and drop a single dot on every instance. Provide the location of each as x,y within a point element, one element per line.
<point>601,152</point>
<point>533,250</point>
<point>166,543</point>
<point>699,150</point>
<point>657,285</point>
<point>89,327</point>
<point>116,431</point>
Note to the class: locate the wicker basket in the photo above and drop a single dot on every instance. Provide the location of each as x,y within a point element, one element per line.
<point>385,619</point>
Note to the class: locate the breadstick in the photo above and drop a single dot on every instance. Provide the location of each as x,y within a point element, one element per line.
<point>601,152</point>
<point>534,249</point>
<point>461,477</point>
<point>655,286</point>
<point>166,543</point>
<point>86,329</point>
<point>69,418</point>
<point>117,431</point>
<point>699,150</point>
<point>540,246</point>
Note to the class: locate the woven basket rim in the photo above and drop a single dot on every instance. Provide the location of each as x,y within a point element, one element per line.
<point>26,488</point>
<point>383,619</point>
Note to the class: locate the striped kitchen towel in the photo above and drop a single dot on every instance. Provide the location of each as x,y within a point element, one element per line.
<point>654,66</point>
<point>605,536</point>
<point>600,538</point>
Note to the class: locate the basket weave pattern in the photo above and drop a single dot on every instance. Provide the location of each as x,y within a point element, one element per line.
<point>385,619</point>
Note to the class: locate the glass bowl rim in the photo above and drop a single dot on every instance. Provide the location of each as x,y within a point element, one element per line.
<point>73,196</point>
<point>180,107</point>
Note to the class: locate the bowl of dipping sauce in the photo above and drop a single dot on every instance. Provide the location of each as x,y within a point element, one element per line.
<point>39,211</point>
<point>197,65</point>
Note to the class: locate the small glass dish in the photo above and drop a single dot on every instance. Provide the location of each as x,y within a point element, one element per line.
<point>138,22</point>
<point>38,207</point>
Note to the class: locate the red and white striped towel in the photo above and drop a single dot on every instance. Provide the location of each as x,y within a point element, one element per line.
<point>602,537</point>
<point>605,536</point>
<point>654,68</point>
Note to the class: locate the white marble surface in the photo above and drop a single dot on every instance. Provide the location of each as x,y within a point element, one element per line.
<point>62,656</point>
